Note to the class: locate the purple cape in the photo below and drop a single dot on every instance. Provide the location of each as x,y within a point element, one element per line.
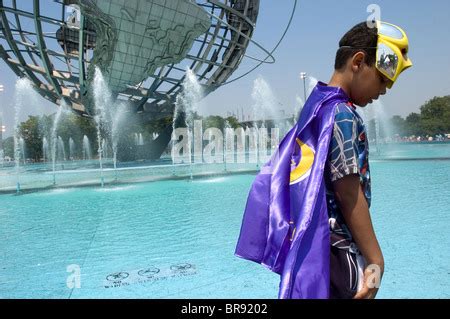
<point>285,223</point>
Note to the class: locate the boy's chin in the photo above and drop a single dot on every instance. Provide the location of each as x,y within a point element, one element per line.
<point>363,104</point>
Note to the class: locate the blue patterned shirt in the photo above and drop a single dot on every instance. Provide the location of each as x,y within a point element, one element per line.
<point>348,154</point>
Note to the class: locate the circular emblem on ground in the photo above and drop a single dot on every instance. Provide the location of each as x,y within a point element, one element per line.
<point>181,267</point>
<point>148,272</point>
<point>118,276</point>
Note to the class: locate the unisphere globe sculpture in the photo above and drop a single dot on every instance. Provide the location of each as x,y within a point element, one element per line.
<point>142,47</point>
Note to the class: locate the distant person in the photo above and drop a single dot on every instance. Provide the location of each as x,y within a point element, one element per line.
<point>307,215</point>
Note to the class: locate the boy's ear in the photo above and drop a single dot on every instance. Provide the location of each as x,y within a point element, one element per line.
<point>357,61</point>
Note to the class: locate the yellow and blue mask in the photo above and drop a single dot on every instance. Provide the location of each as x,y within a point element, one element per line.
<point>392,51</point>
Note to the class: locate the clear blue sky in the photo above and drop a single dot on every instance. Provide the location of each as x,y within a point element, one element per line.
<point>310,46</point>
<point>312,40</point>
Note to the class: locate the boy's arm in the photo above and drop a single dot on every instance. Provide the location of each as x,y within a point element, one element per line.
<point>355,211</point>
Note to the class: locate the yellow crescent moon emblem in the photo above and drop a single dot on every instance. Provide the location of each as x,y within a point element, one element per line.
<point>303,168</point>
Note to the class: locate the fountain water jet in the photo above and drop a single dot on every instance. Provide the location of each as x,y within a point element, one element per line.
<point>117,122</point>
<point>22,150</point>
<point>61,149</point>
<point>45,148</point>
<point>312,82</point>
<point>87,153</point>
<point>71,149</point>
<point>228,139</point>
<point>377,123</point>
<point>187,101</point>
<point>264,101</point>
<point>298,107</point>
<point>105,148</point>
<point>23,88</point>
<point>54,138</point>
<point>102,100</point>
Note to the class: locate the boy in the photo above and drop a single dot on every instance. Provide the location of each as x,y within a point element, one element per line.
<point>307,214</point>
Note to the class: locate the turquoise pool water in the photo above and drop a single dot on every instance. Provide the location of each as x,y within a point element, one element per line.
<point>175,239</point>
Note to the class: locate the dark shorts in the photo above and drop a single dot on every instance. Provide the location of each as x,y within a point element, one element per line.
<point>343,274</point>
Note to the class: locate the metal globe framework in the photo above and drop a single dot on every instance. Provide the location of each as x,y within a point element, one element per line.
<point>142,47</point>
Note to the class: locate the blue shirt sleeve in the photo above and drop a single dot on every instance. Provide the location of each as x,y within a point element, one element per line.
<point>343,151</point>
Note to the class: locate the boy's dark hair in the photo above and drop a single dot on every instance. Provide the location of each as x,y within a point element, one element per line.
<point>360,38</point>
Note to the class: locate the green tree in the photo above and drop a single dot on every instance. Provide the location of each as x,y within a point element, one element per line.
<point>214,121</point>
<point>413,124</point>
<point>155,126</point>
<point>72,126</point>
<point>32,135</point>
<point>435,116</point>
<point>8,147</point>
<point>398,125</point>
<point>233,121</point>
<point>371,129</point>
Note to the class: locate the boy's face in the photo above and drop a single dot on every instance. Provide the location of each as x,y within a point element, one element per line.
<point>367,83</point>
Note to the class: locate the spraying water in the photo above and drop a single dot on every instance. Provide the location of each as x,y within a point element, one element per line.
<point>87,153</point>
<point>377,123</point>
<point>140,139</point>
<point>262,143</point>
<point>255,131</point>
<point>23,88</point>
<point>265,105</point>
<point>22,150</point>
<point>188,102</point>
<point>54,137</point>
<point>71,149</point>
<point>117,121</point>
<point>298,106</point>
<point>312,82</point>
<point>61,149</point>
<point>384,124</point>
<point>45,148</point>
<point>252,148</point>
<point>102,100</point>
<point>105,148</point>
<point>228,140</point>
